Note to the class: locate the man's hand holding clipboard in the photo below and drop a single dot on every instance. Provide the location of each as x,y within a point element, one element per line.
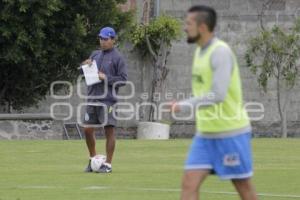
<point>91,73</point>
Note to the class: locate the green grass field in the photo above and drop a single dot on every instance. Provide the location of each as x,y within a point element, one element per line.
<point>143,170</point>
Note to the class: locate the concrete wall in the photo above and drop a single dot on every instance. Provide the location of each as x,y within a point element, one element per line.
<point>31,129</point>
<point>238,21</point>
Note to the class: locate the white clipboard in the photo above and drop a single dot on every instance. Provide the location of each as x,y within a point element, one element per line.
<point>90,73</point>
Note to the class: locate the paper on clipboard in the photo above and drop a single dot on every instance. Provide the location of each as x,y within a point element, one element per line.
<point>90,73</point>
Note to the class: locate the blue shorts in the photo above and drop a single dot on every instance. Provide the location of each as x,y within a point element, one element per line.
<point>228,157</point>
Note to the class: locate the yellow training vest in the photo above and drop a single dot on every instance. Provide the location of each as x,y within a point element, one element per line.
<point>228,115</point>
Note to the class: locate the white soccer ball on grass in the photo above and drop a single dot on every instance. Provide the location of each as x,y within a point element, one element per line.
<point>97,161</point>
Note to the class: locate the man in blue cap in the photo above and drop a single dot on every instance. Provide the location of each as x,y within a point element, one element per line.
<point>101,96</point>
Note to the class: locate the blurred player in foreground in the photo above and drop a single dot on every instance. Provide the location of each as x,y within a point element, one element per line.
<point>222,143</point>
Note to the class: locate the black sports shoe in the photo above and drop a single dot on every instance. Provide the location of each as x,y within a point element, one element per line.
<point>105,168</point>
<point>88,168</point>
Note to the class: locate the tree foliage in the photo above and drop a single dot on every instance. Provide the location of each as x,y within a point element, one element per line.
<point>155,41</point>
<point>44,41</point>
<point>162,29</point>
<point>274,55</point>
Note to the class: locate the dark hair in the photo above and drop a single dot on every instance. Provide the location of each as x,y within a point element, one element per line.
<point>206,15</point>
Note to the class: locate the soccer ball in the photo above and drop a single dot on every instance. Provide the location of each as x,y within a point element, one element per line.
<point>97,161</point>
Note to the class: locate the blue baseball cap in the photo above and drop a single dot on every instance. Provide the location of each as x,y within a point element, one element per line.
<point>107,32</point>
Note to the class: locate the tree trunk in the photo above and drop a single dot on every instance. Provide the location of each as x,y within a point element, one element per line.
<point>159,76</point>
<point>282,111</point>
<point>153,90</point>
<point>284,124</point>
